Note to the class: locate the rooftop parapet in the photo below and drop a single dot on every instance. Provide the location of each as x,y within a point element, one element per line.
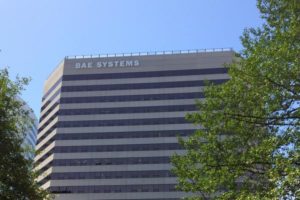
<point>151,53</point>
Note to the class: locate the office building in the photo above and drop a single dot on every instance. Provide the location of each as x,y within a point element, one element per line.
<point>30,133</point>
<point>30,136</point>
<point>109,124</point>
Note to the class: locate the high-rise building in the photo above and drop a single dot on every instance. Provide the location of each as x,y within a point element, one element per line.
<point>30,136</point>
<point>31,132</point>
<point>109,124</point>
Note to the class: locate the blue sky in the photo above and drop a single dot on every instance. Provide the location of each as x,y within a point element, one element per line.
<point>36,35</point>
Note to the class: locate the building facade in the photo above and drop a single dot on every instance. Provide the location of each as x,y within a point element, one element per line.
<point>30,135</point>
<point>109,124</point>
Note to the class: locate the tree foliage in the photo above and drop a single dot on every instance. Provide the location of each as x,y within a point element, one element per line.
<point>17,181</point>
<point>248,146</point>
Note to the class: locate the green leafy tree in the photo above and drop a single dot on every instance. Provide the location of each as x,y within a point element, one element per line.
<point>17,180</point>
<point>248,146</point>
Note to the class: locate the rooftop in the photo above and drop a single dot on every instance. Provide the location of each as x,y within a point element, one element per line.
<point>150,53</point>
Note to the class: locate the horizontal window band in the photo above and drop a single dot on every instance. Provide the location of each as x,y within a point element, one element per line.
<point>118,122</point>
<point>145,74</point>
<point>106,162</point>
<point>123,98</point>
<point>119,110</point>
<point>129,75</point>
<point>132,86</point>
<point>127,98</point>
<point>53,87</point>
<point>111,161</point>
<point>51,118</point>
<point>119,135</point>
<point>50,100</point>
<point>43,116</point>
<point>107,175</point>
<point>113,188</point>
<point>52,128</point>
<point>44,157</point>
<point>130,134</point>
<point>111,148</point>
<point>122,122</point>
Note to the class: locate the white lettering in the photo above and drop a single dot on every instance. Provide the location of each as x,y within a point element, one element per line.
<point>83,65</point>
<point>104,64</point>
<point>110,64</point>
<point>129,63</point>
<point>136,63</point>
<point>100,64</point>
<point>90,65</point>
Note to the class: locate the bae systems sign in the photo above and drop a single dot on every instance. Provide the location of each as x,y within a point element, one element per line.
<point>104,64</point>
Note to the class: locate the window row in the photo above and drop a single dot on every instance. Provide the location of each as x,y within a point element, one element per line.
<point>123,98</point>
<point>126,98</point>
<point>132,86</point>
<point>52,88</point>
<point>44,157</point>
<point>116,135</point>
<point>119,122</point>
<point>48,122</point>
<point>50,100</point>
<point>48,111</point>
<point>122,122</point>
<point>113,188</point>
<point>106,175</point>
<point>145,74</point>
<point>111,161</point>
<point>130,75</point>
<point>131,134</point>
<point>106,161</point>
<point>119,110</point>
<point>111,175</point>
<point>112,148</point>
<point>52,128</point>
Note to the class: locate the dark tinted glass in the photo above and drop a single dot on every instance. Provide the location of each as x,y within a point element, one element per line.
<point>52,88</point>
<point>113,188</point>
<point>125,98</point>
<point>119,110</point>
<point>110,161</point>
<point>132,86</point>
<point>111,135</point>
<point>111,148</point>
<point>145,74</point>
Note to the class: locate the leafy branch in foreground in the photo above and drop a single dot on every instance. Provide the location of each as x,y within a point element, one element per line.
<point>248,147</point>
<point>17,180</point>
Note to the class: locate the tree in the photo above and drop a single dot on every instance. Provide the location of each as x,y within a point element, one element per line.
<point>17,181</point>
<point>248,146</point>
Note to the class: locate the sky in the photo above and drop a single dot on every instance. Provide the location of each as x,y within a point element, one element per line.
<point>35,35</point>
